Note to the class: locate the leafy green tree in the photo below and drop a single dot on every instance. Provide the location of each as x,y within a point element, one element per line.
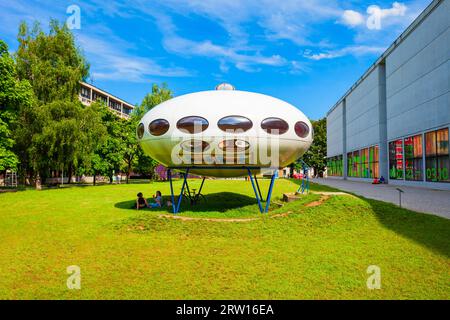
<point>52,62</point>
<point>58,126</point>
<point>14,95</point>
<point>8,159</point>
<point>99,167</point>
<point>158,95</point>
<point>58,146</point>
<point>109,154</point>
<point>316,155</point>
<point>144,164</point>
<point>95,134</point>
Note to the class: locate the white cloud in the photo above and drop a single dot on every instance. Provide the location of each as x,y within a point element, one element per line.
<point>398,9</point>
<point>322,55</point>
<point>108,54</point>
<point>352,50</point>
<point>242,59</point>
<point>298,68</point>
<point>176,44</point>
<point>290,20</point>
<point>244,22</point>
<point>375,16</point>
<point>111,63</point>
<point>248,25</point>
<point>352,18</point>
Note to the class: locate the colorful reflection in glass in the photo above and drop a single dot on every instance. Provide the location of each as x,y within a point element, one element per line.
<point>364,163</point>
<point>437,162</point>
<point>413,158</point>
<point>335,166</point>
<point>396,160</point>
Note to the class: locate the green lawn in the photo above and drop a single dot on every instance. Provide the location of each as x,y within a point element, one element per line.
<point>317,252</point>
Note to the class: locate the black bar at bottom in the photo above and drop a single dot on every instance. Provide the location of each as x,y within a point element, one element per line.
<point>230,309</point>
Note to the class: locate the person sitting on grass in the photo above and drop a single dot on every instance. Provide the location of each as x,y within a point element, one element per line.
<point>158,200</point>
<point>141,203</point>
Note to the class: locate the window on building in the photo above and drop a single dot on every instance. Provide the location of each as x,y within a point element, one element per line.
<point>365,168</point>
<point>396,160</point>
<point>115,105</point>
<point>356,164</point>
<point>275,126</point>
<point>436,156</point>
<point>96,96</point>
<point>363,163</point>
<point>374,164</point>
<point>140,131</point>
<point>85,92</point>
<point>335,166</point>
<point>234,145</point>
<point>350,164</point>
<point>159,127</point>
<point>413,158</point>
<point>301,129</point>
<point>330,168</point>
<point>195,146</point>
<point>235,124</point>
<point>193,124</point>
<point>340,166</point>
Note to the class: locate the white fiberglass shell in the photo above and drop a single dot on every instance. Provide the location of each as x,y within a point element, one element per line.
<point>263,150</point>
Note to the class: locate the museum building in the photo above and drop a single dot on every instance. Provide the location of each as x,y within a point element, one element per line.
<point>394,121</point>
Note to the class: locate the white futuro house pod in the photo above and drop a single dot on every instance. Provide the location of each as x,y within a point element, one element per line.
<point>225,129</point>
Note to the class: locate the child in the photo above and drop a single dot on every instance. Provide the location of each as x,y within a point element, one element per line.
<point>158,200</point>
<point>141,203</point>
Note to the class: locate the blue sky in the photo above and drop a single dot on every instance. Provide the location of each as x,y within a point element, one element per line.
<point>307,52</point>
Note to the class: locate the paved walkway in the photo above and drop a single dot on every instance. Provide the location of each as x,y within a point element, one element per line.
<point>418,199</point>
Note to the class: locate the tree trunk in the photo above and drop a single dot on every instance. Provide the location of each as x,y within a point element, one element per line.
<point>27,177</point>
<point>41,178</point>
<point>69,174</point>
<point>128,173</point>
<point>38,183</point>
<point>95,178</point>
<point>3,173</point>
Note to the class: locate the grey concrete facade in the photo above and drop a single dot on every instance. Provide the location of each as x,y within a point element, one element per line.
<point>418,77</point>
<point>362,109</point>
<point>405,93</point>
<point>335,130</point>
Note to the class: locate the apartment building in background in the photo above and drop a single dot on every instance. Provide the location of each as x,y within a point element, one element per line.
<point>89,94</point>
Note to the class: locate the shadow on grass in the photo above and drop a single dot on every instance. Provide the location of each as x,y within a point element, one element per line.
<point>217,202</point>
<point>428,230</point>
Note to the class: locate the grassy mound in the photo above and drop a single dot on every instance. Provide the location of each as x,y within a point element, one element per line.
<point>311,252</point>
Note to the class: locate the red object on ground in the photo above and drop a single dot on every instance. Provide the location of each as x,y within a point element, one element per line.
<point>297,176</point>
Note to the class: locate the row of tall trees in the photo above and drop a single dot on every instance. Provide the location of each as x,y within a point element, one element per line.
<point>44,128</point>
